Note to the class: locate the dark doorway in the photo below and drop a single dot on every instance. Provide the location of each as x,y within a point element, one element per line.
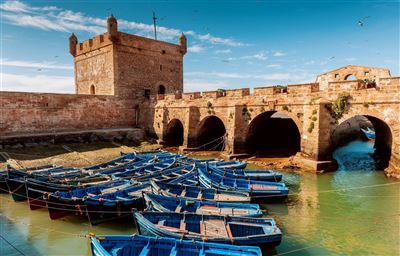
<point>92,89</point>
<point>161,89</point>
<point>210,134</point>
<point>174,134</point>
<point>273,134</point>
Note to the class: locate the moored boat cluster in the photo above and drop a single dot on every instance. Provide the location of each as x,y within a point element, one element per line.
<point>181,205</point>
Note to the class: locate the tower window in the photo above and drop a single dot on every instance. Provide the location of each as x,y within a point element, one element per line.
<point>147,93</point>
<point>163,51</point>
<point>161,89</point>
<point>160,67</point>
<point>337,75</point>
<point>92,89</point>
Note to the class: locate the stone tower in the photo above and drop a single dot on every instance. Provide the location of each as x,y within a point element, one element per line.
<point>128,66</point>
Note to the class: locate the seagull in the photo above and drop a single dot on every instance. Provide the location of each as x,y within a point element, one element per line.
<point>362,21</point>
<point>331,58</point>
<point>56,56</point>
<point>39,69</point>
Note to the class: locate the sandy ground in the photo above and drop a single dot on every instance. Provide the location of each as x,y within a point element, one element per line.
<point>71,155</point>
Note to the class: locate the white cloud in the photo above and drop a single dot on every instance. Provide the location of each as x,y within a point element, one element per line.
<point>279,54</point>
<point>56,19</point>
<point>196,48</point>
<point>38,83</point>
<point>257,56</point>
<point>29,64</point>
<point>310,62</point>
<point>297,77</point>
<point>198,85</point>
<point>274,66</point>
<point>225,51</point>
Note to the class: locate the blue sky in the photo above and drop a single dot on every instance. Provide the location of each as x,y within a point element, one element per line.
<point>232,44</point>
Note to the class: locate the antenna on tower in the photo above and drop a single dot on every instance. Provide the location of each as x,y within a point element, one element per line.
<point>155,26</point>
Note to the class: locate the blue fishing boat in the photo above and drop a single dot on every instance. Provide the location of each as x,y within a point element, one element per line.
<point>199,193</point>
<point>145,169</point>
<point>210,228</point>
<point>266,175</point>
<point>256,189</point>
<point>115,205</point>
<point>135,245</point>
<point>369,133</point>
<point>229,164</point>
<point>3,183</point>
<point>167,174</point>
<point>175,204</point>
<point>124,160</point>
<point>63,203</point>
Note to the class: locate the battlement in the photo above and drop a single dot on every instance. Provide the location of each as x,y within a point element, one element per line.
<point>93,44</point>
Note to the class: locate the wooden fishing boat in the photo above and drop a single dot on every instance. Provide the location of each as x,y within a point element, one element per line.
<point>369,133</point>
<point>175,204</point>
<point>34,171</point>
<point>266,175</point>
<point>256,189</point>
<point>199,193</point>
<point>146,170</point>
<point>16,187</point>
<point>115,205</point>
<point>63,203</point>
<point>166,175</point>
<point>135,245</point>
<point>229,164</point>
<point>3,183</point>
<point>210,228</point>
<point>124,160</point>
<point>188,179</point>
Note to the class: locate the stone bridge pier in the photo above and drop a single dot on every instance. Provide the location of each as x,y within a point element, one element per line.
<point>295,120</point>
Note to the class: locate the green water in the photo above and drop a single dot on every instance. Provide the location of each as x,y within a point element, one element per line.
<point>322,216</point>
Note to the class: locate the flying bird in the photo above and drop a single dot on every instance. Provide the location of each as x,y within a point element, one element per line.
<point>362,21</point>
<point>331,58</point>
<point>39,69</point>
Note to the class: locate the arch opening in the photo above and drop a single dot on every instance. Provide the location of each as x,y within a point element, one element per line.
<point>210,134</point>
<point>362,142</point>
<point>273,134</point>
<point>350,77</point>
<point>174,134</point>
<point>92,89</point>
<point>161,89</point>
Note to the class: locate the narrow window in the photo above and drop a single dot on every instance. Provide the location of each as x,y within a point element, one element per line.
<point>161,89</point>
<point>366,73</point>
<point>92,89</point>
<point>337,75</point>
<point>160,67</point>
<point>163,51</point>
<point>147,93</point>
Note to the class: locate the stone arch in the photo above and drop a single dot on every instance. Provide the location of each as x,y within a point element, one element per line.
<point>384,136</point>
<point>161,89</point>
<point>210,133</point>
<point>350,77</point>
<point>92,89</point>
<point>273,133</point>
<point>174,134</point>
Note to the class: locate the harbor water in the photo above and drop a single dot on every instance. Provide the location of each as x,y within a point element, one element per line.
<point>354,210</point>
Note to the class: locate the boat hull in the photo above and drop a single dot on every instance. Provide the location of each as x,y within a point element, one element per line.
<point>148,228</point>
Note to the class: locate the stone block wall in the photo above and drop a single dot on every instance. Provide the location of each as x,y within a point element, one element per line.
<point>32,113</point>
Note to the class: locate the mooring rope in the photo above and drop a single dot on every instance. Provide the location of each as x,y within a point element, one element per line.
<point>12,245</point>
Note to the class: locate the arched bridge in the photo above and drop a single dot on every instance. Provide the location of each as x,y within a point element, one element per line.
<point>297,118</point>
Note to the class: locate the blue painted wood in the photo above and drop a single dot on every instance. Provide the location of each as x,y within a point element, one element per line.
<point>211,228</point>
<point>148,246</point>
<point>191,192</point>
<point>175,204</point>
<point>209,177</point>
